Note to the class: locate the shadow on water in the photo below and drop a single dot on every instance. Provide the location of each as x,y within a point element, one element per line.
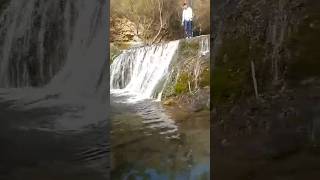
<point>149,142</point>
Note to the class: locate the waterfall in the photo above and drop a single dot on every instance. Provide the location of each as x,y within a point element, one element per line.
<point>53,54</point>
<point>33,43</point>
<point>58,45</point>
<point>142,71</point>
<point>204,46</point>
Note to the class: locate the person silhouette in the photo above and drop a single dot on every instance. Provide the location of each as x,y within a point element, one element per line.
<point>187,16</point>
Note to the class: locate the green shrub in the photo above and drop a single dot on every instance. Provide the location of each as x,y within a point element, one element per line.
<point>182,84</point>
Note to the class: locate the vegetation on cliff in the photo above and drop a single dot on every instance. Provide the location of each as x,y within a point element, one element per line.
<point>265,87</point>
<point>153,21</point>
<point>189,80</point>
<point>280,38</point>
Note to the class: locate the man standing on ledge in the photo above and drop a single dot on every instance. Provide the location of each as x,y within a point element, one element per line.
<point>187,20</point>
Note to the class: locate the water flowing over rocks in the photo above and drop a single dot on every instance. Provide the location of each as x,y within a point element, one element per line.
<point>151,71</point>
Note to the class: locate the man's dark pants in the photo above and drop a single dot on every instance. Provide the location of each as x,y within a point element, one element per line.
<point>188,28</point>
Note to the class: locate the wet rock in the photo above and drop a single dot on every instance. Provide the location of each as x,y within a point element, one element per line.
<point>122,30</point>
<point>169,102</point>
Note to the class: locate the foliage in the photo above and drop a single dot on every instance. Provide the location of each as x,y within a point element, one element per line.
<point>189,49</point>
<point>159,19</point>
<point>182,84</point>
<point>194,70</point>
<point>205,77</point>
<point>201,10</point>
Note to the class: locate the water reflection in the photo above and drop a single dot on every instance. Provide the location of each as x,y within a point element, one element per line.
<point>200,171</point>
<point>147,143</point>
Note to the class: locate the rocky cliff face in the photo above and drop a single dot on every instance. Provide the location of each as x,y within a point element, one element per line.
<point>122,30</point>
<point>272,44</point>
<point>280,37</point>
<point>189,77</point>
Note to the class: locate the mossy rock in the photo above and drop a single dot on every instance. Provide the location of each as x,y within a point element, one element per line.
<point>169,102</point>
<point>187,55</point>
<point>182,83</point>
<point>188,49</point>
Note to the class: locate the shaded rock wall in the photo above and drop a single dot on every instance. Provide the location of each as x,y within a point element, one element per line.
<point>280,38</point>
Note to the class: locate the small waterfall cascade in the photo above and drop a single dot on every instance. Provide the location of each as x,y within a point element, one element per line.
<point>142,71</point>
<point>204,46</point>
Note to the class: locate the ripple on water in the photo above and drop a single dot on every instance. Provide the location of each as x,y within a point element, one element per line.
<point>148,144</point>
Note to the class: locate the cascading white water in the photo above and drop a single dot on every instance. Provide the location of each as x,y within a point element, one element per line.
<point>59,47</point>
<point>204,46</point>
<point>59,44</point>
<point>142,71</point>
<point>30,41</point>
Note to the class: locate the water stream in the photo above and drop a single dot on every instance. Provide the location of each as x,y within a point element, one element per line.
<point>150,141</point>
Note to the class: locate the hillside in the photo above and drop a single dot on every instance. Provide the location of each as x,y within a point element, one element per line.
<point>265,89</point>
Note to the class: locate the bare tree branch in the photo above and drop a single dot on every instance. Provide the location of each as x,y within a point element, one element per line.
<point>253,73</point>
<point>160,6</point>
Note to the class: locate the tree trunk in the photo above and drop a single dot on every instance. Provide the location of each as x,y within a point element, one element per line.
<point>160,5</point>
<point>253,73</point>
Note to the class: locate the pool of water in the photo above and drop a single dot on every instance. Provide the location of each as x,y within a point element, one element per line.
<point>36,145</point>
<point>149,141</point>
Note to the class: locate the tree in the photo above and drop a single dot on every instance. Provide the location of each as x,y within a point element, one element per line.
<point>157,20</point>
